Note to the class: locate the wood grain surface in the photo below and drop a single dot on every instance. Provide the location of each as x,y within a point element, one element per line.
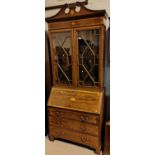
<point>76,99</point>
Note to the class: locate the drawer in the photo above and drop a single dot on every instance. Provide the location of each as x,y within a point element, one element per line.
<point>75,23</point>
<point>75,137</point>
<point>74,125</point>
<point>79,116</point>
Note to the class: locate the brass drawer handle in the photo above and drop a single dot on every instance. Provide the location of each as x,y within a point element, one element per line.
<point>83,118</point>
<point>84,139</point>
<point>73,23</point>
<point>97,119</point>
<point>60,123</point>
<point>59,114</point>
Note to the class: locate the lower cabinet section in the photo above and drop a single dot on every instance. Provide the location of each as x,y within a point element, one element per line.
<point>76,115</point>
<point>81,128</point>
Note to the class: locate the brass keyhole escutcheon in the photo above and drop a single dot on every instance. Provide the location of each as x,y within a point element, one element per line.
<point>72,99</point>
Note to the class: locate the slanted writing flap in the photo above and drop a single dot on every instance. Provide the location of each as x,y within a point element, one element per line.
<point>76,99</point>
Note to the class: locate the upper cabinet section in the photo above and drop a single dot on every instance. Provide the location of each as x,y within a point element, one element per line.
<point>77,47</point>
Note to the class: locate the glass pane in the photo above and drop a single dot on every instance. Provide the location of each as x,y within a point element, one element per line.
<point>88,46</point>
<point>62,49</point>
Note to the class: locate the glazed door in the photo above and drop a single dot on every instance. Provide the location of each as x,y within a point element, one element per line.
<point>90,57</point>
<point>61,42</point>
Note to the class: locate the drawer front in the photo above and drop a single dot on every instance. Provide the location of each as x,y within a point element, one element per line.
<point>79,116</point>
<point>74,125</point>
<point>75,137</point>
<point>75,23</point>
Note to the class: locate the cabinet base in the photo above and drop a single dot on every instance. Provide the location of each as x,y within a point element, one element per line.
<point>97,150</point>
<point>51,138</point>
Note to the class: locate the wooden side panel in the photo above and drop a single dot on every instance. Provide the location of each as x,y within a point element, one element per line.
<point>106,147</point>
<point>48,73</point>
<point>101,61</point>
<point>48,78</point>
<point>101,122</point>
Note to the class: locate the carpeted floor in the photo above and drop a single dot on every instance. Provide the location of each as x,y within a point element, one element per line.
<point>65,148</point>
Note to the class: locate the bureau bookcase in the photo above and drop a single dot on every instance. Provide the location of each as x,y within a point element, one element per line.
<point>76,101</point>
